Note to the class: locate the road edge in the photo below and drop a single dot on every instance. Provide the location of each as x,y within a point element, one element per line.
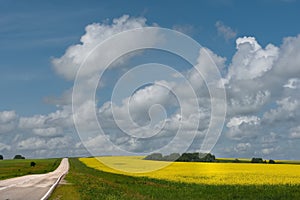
<point>49,192</point>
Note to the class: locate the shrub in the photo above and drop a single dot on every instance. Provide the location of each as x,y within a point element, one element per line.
<point>19,157</point>
<point>257,160</point>
<point>271,162</point>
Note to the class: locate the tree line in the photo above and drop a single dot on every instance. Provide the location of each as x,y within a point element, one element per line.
<point>260,160</point>
<point>198,157</point>
<point>15,157</point>
<point>185,157</point>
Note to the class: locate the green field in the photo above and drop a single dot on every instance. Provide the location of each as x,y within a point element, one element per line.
<point>14,168</point>
<point>88,183</point>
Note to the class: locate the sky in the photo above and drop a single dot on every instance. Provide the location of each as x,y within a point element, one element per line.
<point>254,45</point>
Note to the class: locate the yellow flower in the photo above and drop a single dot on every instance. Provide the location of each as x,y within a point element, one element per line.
<point>196,172</point>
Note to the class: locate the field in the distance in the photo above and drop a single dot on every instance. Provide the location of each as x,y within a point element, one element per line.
<point>200,172</point>
<point>87,183</point>
<point>14,168</point>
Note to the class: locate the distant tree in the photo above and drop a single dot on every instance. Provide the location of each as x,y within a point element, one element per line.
<point>1,157</point>
<point>257,160</point>
<point>271,162</point>
<point>197,157</point>
<point>171,157</point>
<point>154,156</point>
<point>32,164</point>
<point>208,157</point>
<point>236,160</point>
<point>19,157</point>
<point>185,157</point>
<point>189,157</point>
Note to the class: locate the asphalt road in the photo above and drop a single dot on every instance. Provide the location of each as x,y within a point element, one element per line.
<point>31,187</point>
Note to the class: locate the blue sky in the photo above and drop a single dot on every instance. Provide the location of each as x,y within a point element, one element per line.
<point>33,33</point>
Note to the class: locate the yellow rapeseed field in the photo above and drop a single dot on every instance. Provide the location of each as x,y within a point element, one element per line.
<point>205,173</point>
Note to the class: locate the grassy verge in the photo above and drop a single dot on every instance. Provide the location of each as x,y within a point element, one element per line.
<point>88,183</point>
<point>14,168</point>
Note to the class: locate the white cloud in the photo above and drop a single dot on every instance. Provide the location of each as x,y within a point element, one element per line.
<point>270,151</point>
<point>287,109</point>
<point>242,102</point>
<point>251,60</point>
<point>237,121</point>
<point>206,62</point>
<point>6,116</point>
<point>243,128</point>
<point>48,132</point>
<point>32,144</point>
<point>8,121</point>
<point>293,83</point>
<point>242,147</point>
<point>294,133</point>
<point>32,122</point>
<point>35,143</point>
<point>289,59</point>
<point>69,63</point>
<point>225,31</point>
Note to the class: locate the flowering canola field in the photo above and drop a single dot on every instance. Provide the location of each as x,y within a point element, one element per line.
<point>201,173</point>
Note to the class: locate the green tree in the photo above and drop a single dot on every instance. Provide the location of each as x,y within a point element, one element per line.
<point>196,157</point>
<point>19,157</point>
<point>171,157</point>
<point>1,157</point>
<point>32,164</point>
<point>271,162</point>
<point>154,156</point>
<point>257,160</point>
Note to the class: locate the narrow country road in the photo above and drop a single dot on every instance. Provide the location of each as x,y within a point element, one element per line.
<point>32,187</point>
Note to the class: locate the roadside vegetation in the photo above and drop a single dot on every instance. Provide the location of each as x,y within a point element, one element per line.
<point>21,167</point>
<point>89,183</point>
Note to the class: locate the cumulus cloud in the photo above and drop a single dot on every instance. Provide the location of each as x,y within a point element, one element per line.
<point>8,121</point>
<point>243,127</point>
<point>268,151</point>
<point>225,31</point>
<point>293,83</point>
<point>48,132</point>
<point>251,60</point>
<point>242,147</point>
<point>7,116</point>
<point>287,109</point>
<point>294,133</point>
<point>287,65</point>
<point>237,121</point>
<point>245,102</point>
<point>69,63</point>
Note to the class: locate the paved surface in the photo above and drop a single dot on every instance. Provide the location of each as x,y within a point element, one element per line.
<point>31,187</point>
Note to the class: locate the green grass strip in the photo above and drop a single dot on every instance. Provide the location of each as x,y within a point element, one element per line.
<point>15,168</point>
